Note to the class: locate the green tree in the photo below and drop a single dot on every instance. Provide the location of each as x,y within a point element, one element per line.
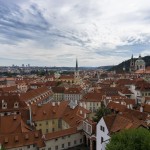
<point>131,139</point>
<point>103,111</point>
<point>2,148</point>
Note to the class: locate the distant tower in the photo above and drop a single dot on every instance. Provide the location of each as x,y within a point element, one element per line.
<point>132,65</point>
<point>140,64</point>
<point>76,74</point>
<point>76,65</point>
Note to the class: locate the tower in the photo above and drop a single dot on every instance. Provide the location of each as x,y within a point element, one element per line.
<point>76,73</point>
<point>132,65</point>
<point>140,64</point>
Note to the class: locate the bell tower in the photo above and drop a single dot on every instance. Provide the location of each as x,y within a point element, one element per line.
<point>76,73</point>
<point>132,64</point>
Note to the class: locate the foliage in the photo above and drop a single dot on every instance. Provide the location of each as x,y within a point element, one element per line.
<point>132,139</point>
<point>103,111</point>
<point>2,148</point>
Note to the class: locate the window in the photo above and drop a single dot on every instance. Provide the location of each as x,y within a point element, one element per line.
<point>75,142</point>
<point>59,123</point>
<point>84,126</point>
<point>102,139</point>
<point>68,143</point>
<point>46,122</point>
<point>39,124</point>
<point>89,129</point>
<point>56,139</point>
<point>80,140</point>
<point>53,129</point>
<point>102,128</point>
<point>56,147</point>
<point>28,146</point>
<point>62,146</point>
<point>49,148</point>
<point>46,130</point>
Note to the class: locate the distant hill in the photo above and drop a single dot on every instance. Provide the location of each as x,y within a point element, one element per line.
<point>119,67</point>
<point>105,67</point>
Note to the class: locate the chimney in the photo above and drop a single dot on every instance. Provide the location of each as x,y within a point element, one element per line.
<point>15,117</point>
<point>53,103</point>
<point>80,112</point>
<point>84,115</point>
<point>141,109</point>
<point>76,102</point>
<point>58,103</point>
<point>84,105</point>
<point>81,104</point>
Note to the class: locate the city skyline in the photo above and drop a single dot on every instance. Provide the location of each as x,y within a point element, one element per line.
<point>54,33</point>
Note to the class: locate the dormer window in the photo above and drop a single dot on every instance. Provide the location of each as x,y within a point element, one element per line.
<point>6,140</point>
<point>16,105</point>
<point>16,138</point>
<point>4,105</point>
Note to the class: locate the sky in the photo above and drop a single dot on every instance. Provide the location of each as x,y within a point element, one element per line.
<point>56,32</point>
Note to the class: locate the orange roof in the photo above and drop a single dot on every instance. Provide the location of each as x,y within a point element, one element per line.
<point>73,90</point>
<point>9,89</point>
<point>12,124</point>
<point>116,106</point>
<point>11,99</point>
<point>62,110</point>
<point>34,93</point>
<point>22,139</point>
<point>61,133</point>
<point>92,97</point>
<point>117,122</point>
<point>66,77</point>
<point>146,108</point>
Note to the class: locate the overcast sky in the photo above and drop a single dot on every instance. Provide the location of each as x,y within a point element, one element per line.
<point>55,32</point>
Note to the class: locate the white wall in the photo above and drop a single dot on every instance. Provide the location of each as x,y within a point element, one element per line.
<point>64,140</point>
<point>100,133</point>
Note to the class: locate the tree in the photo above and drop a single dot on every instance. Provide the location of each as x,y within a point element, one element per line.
<point>131,139</point>
<point>103,111</point>
<point>2,148</point>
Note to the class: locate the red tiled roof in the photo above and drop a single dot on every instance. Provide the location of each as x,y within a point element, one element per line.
<point>58,89</point>
<point>12,124</point>
<point>17,140</point>
<point>73,91</point>
<point>11,99</point>
<point>33,93</point>
<point>116,106</point>
<point>61,133</point>
<point>117,122</point>
<point>92,97</point>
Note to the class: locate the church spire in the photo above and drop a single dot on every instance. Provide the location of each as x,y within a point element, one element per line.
<point>132,57</point>
<point>76,64</point>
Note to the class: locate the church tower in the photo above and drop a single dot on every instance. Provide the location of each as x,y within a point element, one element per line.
<point>140,64</point>
<point>132,65</point>
<point>76,74</point>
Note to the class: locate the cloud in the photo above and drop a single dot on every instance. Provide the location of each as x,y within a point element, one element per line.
<point>55,32</point>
